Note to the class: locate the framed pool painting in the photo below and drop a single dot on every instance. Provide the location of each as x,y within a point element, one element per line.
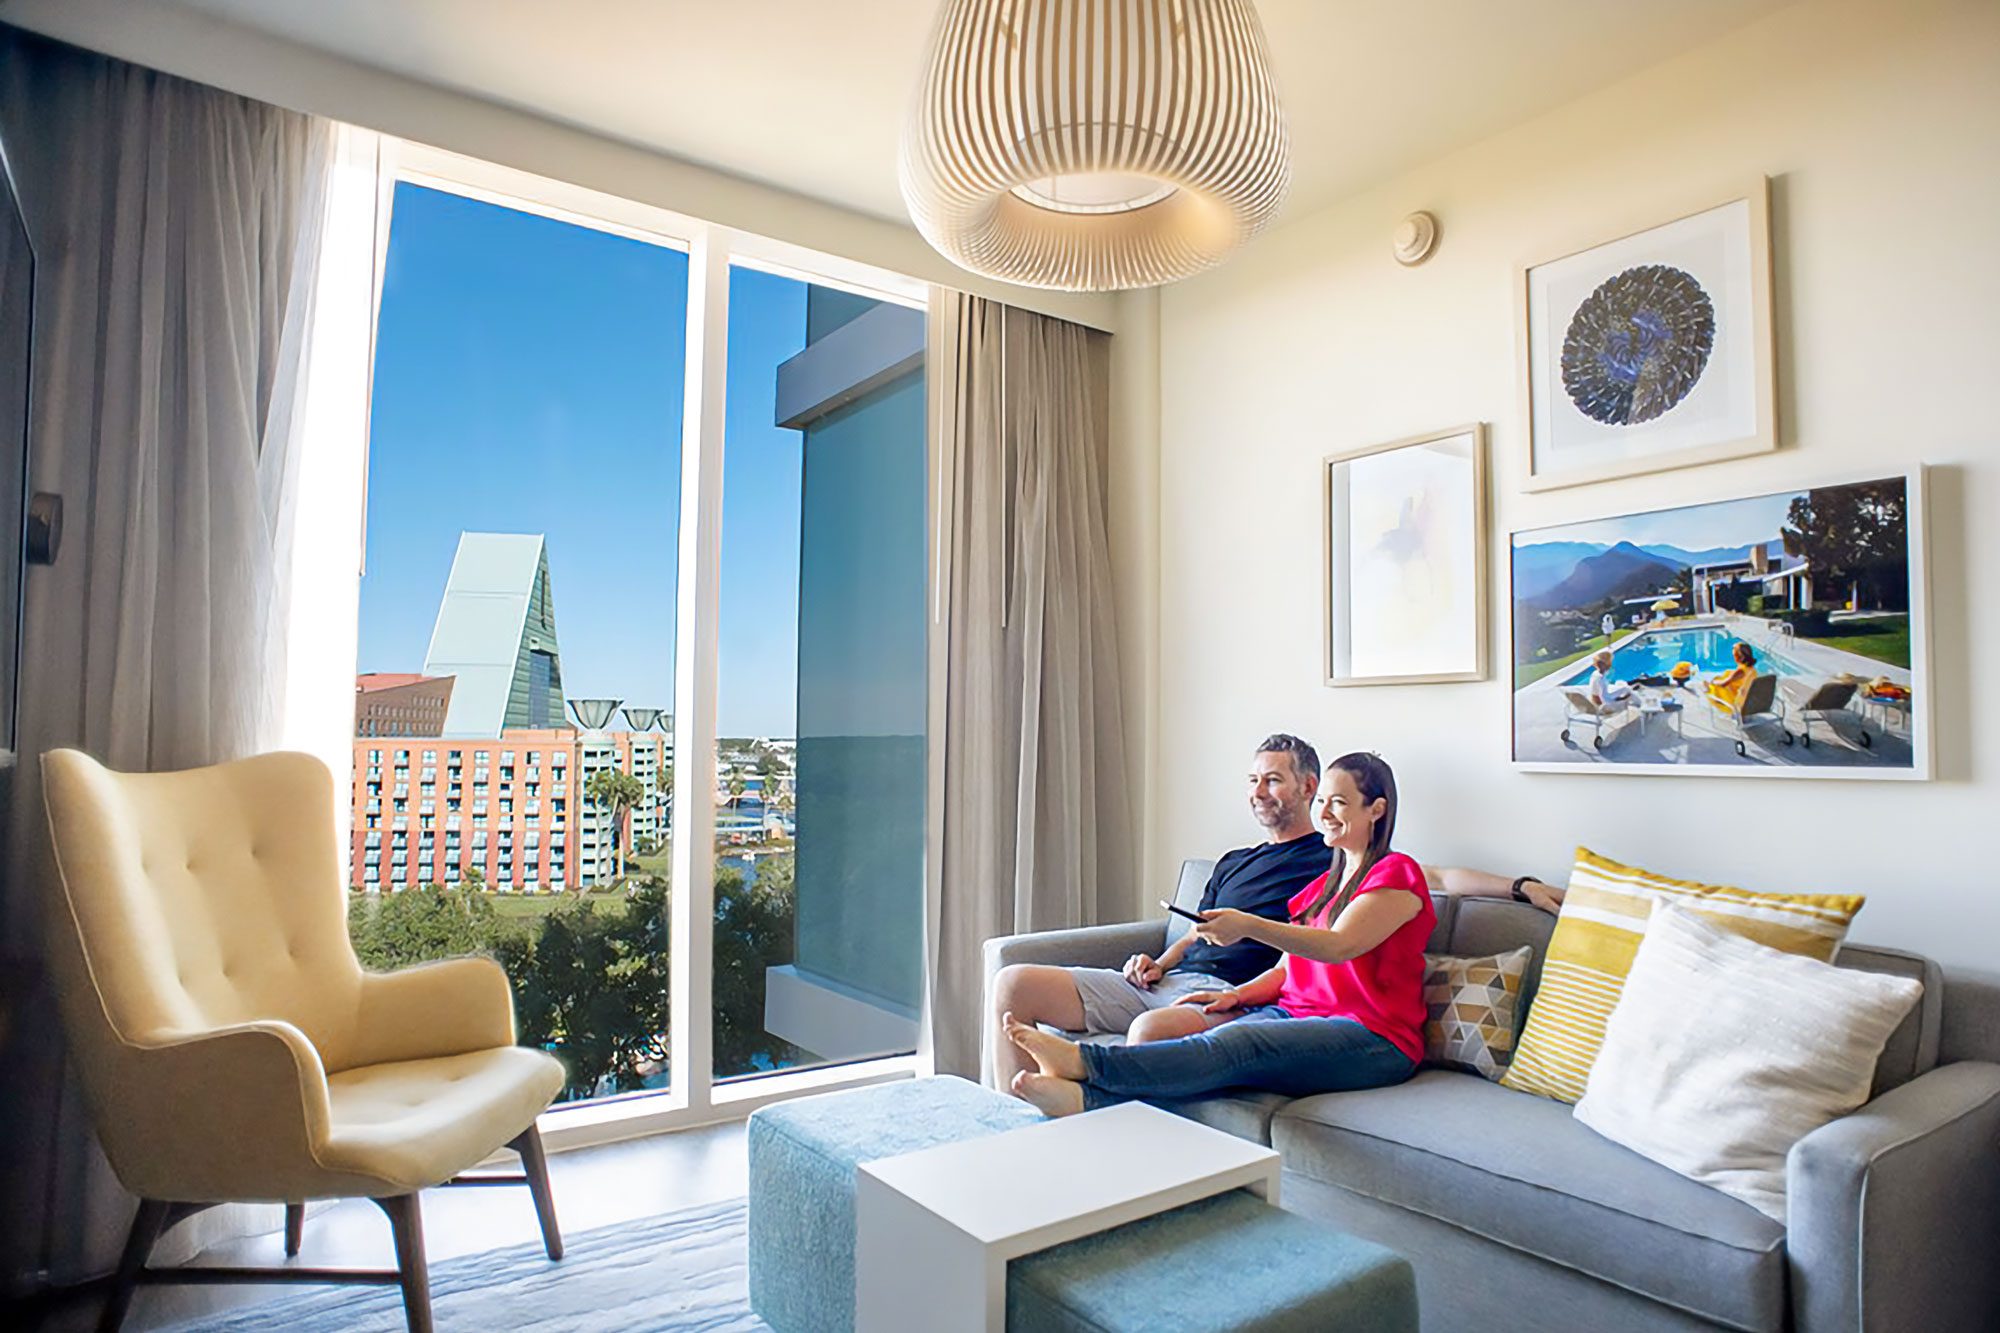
<point>1652,348</point>
<point>1774,635</point>
<point>1405,561</point>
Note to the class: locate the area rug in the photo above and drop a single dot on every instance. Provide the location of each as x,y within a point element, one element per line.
<point>677,1273</point>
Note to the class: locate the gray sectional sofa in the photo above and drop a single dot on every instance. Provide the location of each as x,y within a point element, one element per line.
<point>1518,1217</point>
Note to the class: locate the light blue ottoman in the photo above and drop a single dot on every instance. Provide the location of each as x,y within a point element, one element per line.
<point>802,1159</point>
<point>1231,1264</point>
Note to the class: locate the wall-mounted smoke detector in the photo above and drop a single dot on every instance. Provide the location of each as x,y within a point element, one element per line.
<point>1416,236</point>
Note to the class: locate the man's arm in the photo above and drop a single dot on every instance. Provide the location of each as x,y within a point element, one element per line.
<point>1142,971</point>
<point>1463,883</point>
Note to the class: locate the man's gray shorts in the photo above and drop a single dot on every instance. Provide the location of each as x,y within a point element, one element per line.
<point>1110,1002</point>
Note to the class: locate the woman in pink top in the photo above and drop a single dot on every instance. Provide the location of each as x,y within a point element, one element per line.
<point>1345,1008</point>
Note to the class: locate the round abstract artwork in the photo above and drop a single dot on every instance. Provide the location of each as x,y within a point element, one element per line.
<point>1637,345</point>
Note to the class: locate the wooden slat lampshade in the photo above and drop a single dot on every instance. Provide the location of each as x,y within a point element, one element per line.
<point>1092,145</point>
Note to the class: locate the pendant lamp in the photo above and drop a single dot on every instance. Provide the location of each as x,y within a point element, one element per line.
<point>1092,145</point>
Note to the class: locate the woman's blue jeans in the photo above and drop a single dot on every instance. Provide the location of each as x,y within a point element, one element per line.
<point>1266,1049</point>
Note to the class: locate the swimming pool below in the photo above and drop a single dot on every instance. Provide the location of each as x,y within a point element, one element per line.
<point>1656,652</point>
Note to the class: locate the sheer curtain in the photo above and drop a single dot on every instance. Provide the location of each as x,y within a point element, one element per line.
<point>1036,817</point>
<point>178,230</point>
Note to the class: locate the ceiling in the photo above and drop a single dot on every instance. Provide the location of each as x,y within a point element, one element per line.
<point>809,95</point>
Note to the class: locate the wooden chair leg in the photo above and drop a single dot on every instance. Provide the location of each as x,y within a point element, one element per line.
<point>147,1224</point>
<point>295,1229</point>
<point>535,1166</point>
<point>406,1220</point>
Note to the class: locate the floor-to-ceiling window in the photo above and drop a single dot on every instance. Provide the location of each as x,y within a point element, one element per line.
<point>640,697</point>
<point>821,698</point>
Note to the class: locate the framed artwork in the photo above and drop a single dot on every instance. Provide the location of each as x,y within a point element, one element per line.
<point>1776,635</point>
<point>1406,561</point>
<point>1652,349</point>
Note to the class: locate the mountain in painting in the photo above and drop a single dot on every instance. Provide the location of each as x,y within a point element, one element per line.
<point>1620,572</point>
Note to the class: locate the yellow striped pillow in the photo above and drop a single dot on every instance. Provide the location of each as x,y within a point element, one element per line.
<point>1604,915</point>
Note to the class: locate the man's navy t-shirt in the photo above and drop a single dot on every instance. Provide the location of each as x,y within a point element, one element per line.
<point>1259,880</point>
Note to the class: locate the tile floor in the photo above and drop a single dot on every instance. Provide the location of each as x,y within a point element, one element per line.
<point>594,1187</point>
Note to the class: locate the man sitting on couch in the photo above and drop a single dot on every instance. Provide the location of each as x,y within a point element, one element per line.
<point>1284,776</point>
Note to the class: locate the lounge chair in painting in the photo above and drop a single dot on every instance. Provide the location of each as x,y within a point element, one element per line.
<point>1757,705</point>
<point>1582,710</point>
<point>1826,700</point>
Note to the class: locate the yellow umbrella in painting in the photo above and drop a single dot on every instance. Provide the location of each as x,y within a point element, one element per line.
<point>1666,604</point>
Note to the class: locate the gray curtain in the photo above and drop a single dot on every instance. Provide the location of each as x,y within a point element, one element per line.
<point>1037,823</point>
<point>176,230</point>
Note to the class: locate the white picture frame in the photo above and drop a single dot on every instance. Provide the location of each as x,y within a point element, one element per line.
<point>1651,347</point>
<point>1404,560</point>
<point>1551,734</point>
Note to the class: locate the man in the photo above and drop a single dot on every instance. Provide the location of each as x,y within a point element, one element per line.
<point>1139,1000</point>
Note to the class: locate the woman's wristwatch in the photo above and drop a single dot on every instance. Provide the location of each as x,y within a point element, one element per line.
<point>1520,895</point>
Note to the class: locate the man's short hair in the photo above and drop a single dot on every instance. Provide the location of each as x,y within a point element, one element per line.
<point>1305,759</point>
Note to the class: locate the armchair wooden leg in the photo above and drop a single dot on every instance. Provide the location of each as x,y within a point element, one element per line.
<point>535,1166</point>
<point>147,1224</point>
<point>295,1229</point>
<point>406,1220</point>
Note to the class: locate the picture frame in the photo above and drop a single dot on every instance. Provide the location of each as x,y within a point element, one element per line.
<point>1651,347</point>
<point>1827,585</point>
<point>1404,560</point>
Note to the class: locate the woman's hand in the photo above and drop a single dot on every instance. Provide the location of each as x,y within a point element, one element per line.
<point>1226,925</point>
<point>1213,1001</point>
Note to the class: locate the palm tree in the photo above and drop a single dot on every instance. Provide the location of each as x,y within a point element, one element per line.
<point>736,786</point>
<point>617,791</point>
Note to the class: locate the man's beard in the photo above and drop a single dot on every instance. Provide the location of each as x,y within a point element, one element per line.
<point>1273,815</point>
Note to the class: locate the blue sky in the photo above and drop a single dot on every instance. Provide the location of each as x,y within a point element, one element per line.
<point>1694,528</point>
<point>528,378</point>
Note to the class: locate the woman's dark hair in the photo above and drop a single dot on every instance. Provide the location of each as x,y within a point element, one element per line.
<point>1376,781</point>
<point>1744,653</point>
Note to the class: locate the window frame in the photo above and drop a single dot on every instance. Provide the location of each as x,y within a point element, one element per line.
<point>693,1095</point>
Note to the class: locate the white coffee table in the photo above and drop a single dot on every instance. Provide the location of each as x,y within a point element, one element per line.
<point>934,1230</point>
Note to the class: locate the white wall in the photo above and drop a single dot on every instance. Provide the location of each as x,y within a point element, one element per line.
<point>1879,124</point>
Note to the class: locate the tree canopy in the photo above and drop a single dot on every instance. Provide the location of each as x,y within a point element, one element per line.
<point>591,978</point>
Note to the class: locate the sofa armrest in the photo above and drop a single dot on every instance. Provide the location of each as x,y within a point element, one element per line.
<point>1086,946</point>
<point>1894,1211</point>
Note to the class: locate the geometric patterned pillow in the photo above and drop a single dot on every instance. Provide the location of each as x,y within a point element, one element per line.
<point>1472,1003</point>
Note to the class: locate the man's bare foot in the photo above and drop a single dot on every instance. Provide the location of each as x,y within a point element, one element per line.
<point>1053,1055</point>
<point>1050,1095</point>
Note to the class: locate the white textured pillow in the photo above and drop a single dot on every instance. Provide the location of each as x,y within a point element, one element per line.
<point>1723,1053</point>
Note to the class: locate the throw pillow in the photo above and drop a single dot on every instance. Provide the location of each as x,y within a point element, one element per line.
<point>1724,1053</point>
<point>1472,1003</point>
<point>1603,916</point>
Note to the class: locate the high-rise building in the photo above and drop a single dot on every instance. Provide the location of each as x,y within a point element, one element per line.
<point>470,768</point>
<point>496,632</point>
<point>856,394</point>
<point>517,809</point>
<point>400,703</point>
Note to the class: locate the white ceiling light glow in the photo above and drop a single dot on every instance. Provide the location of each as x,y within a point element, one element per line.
<point>1093,145</point>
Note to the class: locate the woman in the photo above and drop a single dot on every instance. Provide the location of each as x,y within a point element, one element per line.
<point>1344,1010</point>
<point>1728,688</point>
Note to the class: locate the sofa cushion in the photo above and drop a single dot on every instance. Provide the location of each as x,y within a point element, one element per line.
<point>1244,1112</point>
<point>1603,918</point>
<point>1519,1170</point>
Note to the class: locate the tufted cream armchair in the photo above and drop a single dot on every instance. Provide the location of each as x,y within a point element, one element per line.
<point>229,1044</point>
